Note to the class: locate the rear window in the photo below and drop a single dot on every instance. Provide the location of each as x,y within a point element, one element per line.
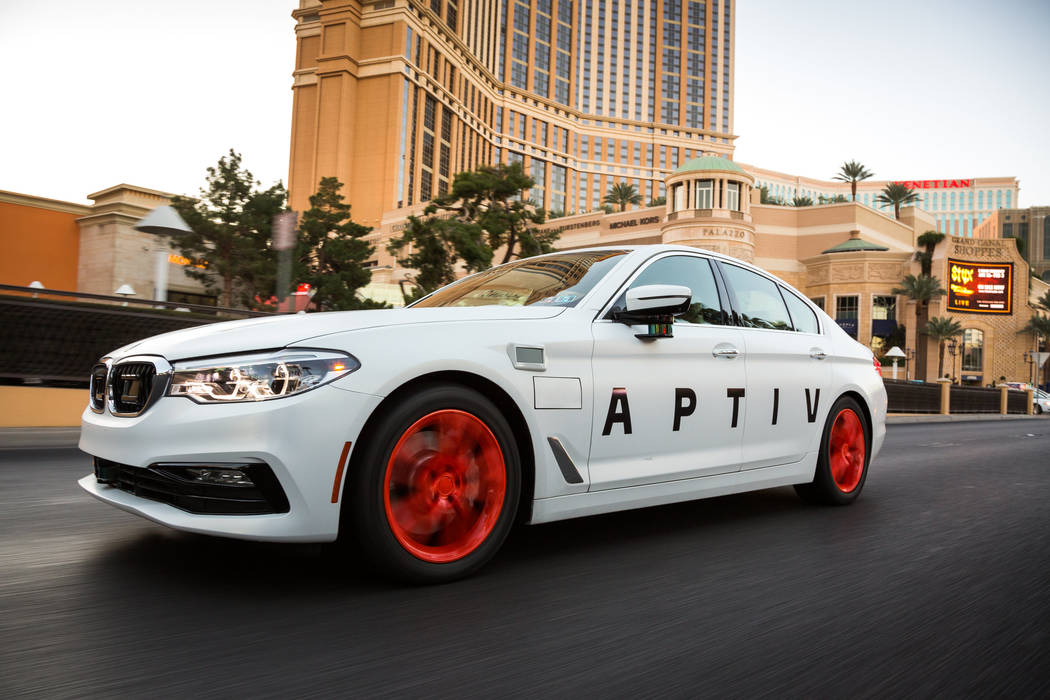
<point>549,280</point>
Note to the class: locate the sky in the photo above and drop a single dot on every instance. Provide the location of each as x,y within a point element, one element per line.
<point>151,93</point>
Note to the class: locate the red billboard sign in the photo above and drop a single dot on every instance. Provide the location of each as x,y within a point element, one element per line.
<point>980,288</point>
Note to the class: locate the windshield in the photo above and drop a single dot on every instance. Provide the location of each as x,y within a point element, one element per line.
<point>551,280</point>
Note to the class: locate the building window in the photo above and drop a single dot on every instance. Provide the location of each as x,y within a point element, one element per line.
<point>704,194</point>
<point>846,314</point>
<point>818,301</point>
<point>883,308</point>
<point>733,196</point>
<point>973,350</point>
<point>1046,238</point>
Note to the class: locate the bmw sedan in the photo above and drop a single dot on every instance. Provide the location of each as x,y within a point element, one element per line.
<point>564,385</point>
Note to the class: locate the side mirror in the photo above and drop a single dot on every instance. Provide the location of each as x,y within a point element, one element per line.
<point>655,305</point>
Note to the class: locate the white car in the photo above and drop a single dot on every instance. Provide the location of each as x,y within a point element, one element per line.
<point>547,388</point>
<point>1040,402</point>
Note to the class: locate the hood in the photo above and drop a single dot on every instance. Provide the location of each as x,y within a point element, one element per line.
<point>279,331</point>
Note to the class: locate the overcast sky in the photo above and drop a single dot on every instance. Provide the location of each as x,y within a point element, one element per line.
<point>151,93</point>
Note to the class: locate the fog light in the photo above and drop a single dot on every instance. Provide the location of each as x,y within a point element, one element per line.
<point>223,476</point>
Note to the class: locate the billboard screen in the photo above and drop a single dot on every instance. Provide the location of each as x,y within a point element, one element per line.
<point>980,288</point>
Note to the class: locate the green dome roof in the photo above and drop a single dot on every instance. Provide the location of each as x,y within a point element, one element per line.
<point>854,244</point>
<point>709,163</point>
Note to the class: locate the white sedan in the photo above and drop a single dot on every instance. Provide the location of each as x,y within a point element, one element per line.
<point>553,387</point>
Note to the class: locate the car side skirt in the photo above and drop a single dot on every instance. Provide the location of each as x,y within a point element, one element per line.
<point>611,500</point>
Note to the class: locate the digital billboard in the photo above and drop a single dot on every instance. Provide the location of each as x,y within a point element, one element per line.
<point>980,288</point>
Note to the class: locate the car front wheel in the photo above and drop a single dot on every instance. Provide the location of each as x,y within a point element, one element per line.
<point>434,493</point>
<point>845,451</point>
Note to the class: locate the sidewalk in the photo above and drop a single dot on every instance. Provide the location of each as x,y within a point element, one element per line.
<point>39,437</point>
<point>898,418</point>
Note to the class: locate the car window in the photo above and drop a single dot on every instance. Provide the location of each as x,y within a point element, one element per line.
<point>801,315</point>
<point>549,280</point>
<point>687,271</point>
<point>758,300</point>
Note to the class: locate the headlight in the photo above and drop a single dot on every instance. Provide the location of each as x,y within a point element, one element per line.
<point>258,377</point>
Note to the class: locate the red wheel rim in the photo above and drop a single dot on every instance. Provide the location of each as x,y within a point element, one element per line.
<point>846,450</point>
<point>444,486</point>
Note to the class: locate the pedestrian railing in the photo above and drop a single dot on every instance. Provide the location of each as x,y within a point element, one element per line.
<point>913,397</point>
<point>946,398</point>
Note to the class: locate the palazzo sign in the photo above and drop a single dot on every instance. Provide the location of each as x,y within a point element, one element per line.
<point>979,287</point>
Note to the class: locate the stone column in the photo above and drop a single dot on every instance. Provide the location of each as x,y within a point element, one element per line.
<point>946,396</point>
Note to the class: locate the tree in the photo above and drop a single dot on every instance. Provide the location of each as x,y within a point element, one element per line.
<point>942,329</point>
<point>766,198</point>
<point>898,195</point>
<point>330,251</point>
<point>928,241</point>
<point>489,199</point>
<point>802,202</point>
<point>921,290</point>
<point>832,200</point>
<point>658,201</point>
<point>232,223</point>
<point>621,194</point>
<point>853,172</point>
<point>1044,301</point>
<point>436,246</point>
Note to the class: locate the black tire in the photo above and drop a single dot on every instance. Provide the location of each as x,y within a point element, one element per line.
<point>371,506</point>
<point>824,489</point>
<point>1038,410</point>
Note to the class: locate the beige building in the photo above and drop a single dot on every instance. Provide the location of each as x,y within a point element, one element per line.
<point>1031,227</point>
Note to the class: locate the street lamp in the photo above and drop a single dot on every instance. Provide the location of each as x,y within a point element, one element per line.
<point>895,353</point>
<point>162,221</point>
<point>125,290</point>
<point>953,346</point>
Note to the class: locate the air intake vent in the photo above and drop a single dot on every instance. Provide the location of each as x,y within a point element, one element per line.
<point>130,387</point>
<point>98,387</point>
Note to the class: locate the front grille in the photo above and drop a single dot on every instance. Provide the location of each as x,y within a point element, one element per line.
<point>131,385</point>
<point>162,483</point>
<point>98,387</point>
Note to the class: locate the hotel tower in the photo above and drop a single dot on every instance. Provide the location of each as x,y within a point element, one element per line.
<point>395,97</point>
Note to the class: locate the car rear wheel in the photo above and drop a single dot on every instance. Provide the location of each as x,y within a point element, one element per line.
<point>1038,409</point>
<point>845,451</point>
<point>434,493</point>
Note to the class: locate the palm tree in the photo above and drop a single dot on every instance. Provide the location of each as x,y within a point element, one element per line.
<point>929,241</point>
<point>802,202</point>
<point>853,172</point>
<point>1044,301</point>
<point>898,195</point>
<point>942,329</point>
<point>1038,326</point>
<point>921,290</point>
<point>622,194</point>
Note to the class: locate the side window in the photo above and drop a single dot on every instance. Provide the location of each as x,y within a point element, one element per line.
<point>803,316</point>
<point>688,271</point>
<point>759,302</point>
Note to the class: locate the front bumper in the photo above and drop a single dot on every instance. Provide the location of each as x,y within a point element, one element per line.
<point>300,438</point>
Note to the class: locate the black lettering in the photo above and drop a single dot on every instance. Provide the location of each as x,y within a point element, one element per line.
<point>811,406</point>
<point>618,398</point>
<point>736,395</point>
<point>682,409</point>
<point>776,404</point>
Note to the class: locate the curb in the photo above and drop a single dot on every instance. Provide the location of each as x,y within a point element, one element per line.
<point>904,418</point>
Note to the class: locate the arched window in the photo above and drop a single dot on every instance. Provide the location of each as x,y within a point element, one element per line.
<point>973,350</point>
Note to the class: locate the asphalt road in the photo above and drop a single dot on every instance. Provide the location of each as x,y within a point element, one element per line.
<point>935,583</point>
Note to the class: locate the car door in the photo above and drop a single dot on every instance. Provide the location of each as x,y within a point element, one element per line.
<point>664,407</point>
<point>788,373</point>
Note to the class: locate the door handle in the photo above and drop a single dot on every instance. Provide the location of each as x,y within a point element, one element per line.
<point>725,352</point>
<point>817,354</point>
